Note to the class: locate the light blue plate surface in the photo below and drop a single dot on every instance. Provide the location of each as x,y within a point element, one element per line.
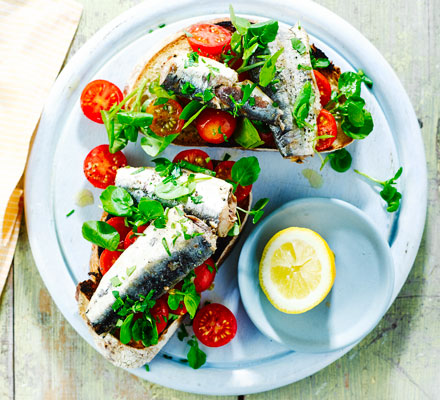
<point>250,363</point>
<point>363,285</point>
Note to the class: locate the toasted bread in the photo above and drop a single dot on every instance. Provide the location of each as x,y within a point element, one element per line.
<point>133,355</point>
<point>150,70</point>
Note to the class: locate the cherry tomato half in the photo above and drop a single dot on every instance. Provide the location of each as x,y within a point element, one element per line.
<point>100,166</point>
<point>160,313</point>
<point>208,39</point>
<point>195,157</point>
<point>223,171</point>
<point>326,126</point>
<point>166,118</point>
<point>119,224</point>
<point>215,325</point>
<point>324,87</point>
<point>99,95</point>
<point>131,237</point>
<point>215,126</point>
<point>205,274</point>
<point>107,259</point>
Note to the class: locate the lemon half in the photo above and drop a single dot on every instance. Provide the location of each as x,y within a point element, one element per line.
<point>297,270</point>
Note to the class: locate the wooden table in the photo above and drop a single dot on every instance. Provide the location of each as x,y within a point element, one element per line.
<point>42,357</point>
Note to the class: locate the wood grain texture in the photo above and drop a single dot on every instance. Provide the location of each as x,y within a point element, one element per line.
<point>42,357</point>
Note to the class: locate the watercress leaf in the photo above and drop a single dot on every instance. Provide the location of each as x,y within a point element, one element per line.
<point>249,51</point>
<point>196,357</point>
<point>365,78</point>
<point>236,42</point>
<point>125,333</point>
<point>301,106</point>
<point>358,132</point>
<point>101,234</point>
<point>169,190</point>
<point>118,141</point>
<point>320,62</point>
<point>260,204</point>
<point>154,144</point>
<point>355,114</point>
<point>349,84</point>
<point>117,201</point>
<point>397,175</point>
<point>241,24</point>
<point>150,209</point>
<point>265,31</point>
<point>138,326</point>
<point>192,301</point>
<point>131,133</point>
<point>340,160</point>
<point>268,71</point>
<point>246,135</point>
<point>190,109</point>
<point>134,118</point>
<point>298,45</point>
<point>159,91</point>
<point>235,230</point>
<point>174,301</point>
<point>246,171</point>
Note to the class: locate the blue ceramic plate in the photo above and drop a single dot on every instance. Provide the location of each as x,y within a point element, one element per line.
<point>363,285</point>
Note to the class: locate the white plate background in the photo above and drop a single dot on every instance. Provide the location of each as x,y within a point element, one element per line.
<point>250,363</point>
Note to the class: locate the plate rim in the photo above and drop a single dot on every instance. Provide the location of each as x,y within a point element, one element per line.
<point>254,289</point>
<point>310,12</point>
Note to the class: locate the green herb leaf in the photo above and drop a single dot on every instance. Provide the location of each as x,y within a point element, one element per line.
<point>70,213</point>
<point>183,333</point>
<point>268,71</point>
<point>319,62</point>
<point>192,301</point>
<point>365,78</point>
<point>266,32</point>
<point>196,357</point>
<point>101,234</point>
<point>154,144</point>
<point>349,84</point>
<point>115,281</point>
<point>165,245</point>
<point>298,45</point>
<point>136,119</point>
<point>246,171</point>
<point>117,201</point>
<point>340,160</point>
<point>125,335</point>
<point>241,24</point>
<point>235,230</point>
<point>246,135</point>
<point>130,270</point>
<point>150,209</point>
<point>302,105</point>
<point>388,193</point>
<point>358,132</point>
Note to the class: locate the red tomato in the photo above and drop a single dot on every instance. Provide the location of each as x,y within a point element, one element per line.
<point>215,126</point>
<point>99,95</point>
<point>166,118</point>
<point>195,157</point>
<point>100,166</point>
<point>223,171</point>
<point>208,39</point>
<point>324,87</point>
<point>326,126</point>
<point>205,275</point>
<point>107,259</point>
<point>131,237</point>
<point>160,313</point>
<point>119,224</point>
<point>215,325</point>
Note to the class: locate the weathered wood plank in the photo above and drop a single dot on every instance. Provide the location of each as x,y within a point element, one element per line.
<point>7,340</point>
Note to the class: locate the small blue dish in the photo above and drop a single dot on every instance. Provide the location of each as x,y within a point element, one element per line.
<point>363,285</point>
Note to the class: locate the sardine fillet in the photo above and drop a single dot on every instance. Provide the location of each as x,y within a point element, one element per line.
<point>218,203</point>
<point>154,268</point>
<point>224,83</point>
<point>291,140</point>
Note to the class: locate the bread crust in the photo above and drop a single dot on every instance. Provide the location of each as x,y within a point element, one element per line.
<point>127,356</point>
<point>150,68</point>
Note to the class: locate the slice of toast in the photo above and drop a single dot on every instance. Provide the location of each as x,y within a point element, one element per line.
<point>134,355</point>
<point>176,45</point>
